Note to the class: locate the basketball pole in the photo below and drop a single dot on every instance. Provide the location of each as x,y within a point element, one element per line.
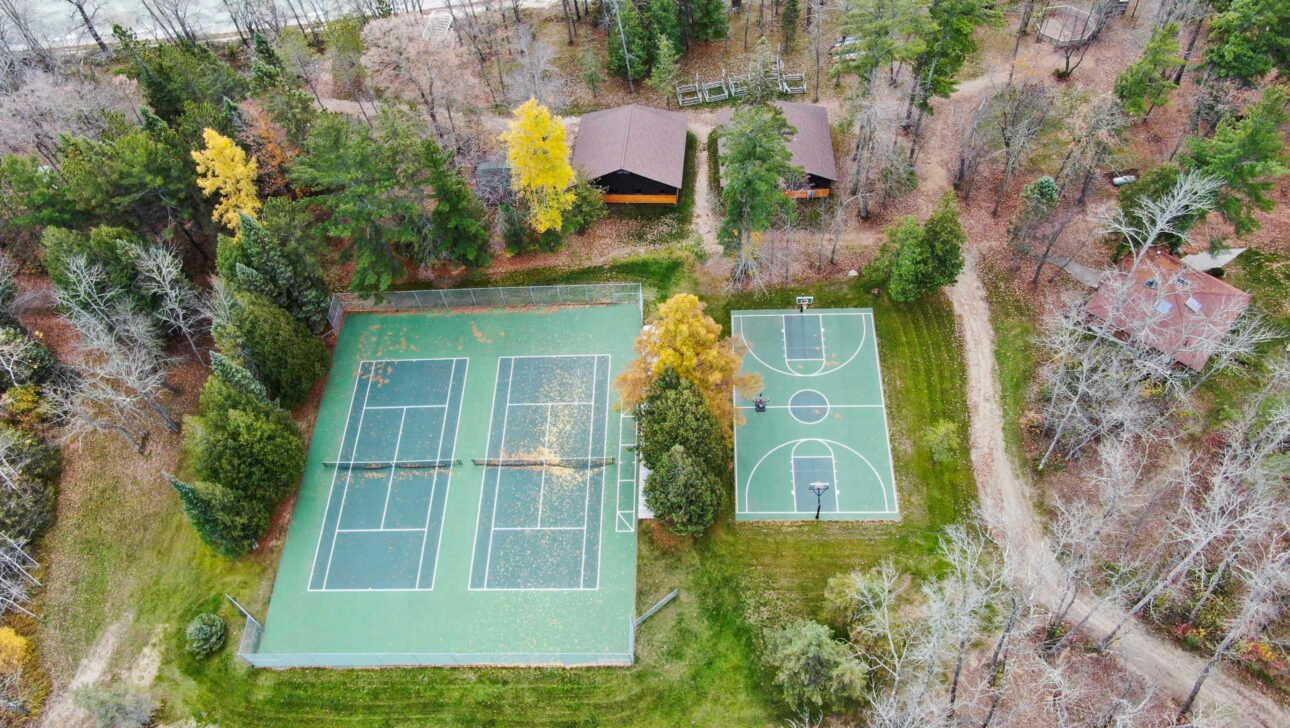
<point>818,489</point>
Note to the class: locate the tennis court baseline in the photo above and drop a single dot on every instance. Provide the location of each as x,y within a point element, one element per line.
<point>539,525</point>
<point>390,478</point>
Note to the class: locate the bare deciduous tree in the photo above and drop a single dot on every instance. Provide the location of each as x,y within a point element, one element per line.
<point>86,10</point>
<point>1019,115</point>
<point>161,275</point>
<point>49,105</point>
<point>1094,130</point>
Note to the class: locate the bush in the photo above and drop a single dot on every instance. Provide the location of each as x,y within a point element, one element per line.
<point>288,358</point>
<point>115,707</point>
<point>814,671</point>
<point>588,207</point>
<point>14,650</point>
<point>24,408</point>
<point>28,360</point>
<point>675,413</point>
<point>942,438</point>
<point>683,493</point>
<point>27,509</point>
<point>205,635</point>
<point>257,457</point>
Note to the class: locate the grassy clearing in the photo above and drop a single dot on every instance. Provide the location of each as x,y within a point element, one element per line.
<point>123,545</point>
<point>1016,357</point>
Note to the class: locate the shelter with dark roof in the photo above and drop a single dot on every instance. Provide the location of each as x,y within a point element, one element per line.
<point>1169,306</point>
<point>636,153</point>
<point>811,147</point>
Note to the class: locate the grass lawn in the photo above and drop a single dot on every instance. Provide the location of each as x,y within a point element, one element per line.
<point>1016,357</point>
<point>126,547</point>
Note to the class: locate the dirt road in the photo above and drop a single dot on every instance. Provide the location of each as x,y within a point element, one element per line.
<point>1007,500</point>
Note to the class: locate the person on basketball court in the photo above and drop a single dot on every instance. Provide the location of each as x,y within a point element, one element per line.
<point>759,404</point>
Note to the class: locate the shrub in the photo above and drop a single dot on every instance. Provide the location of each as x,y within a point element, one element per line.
<point>684,493</point>
<point>588,207</point>
<point>205,635</point>
<point>288,358</point>
<point>26,360</point>
<point>259,458</point>
<point>24,408</point>
<point>115,707</point>
<point>675,413</point>
<point>14,650</point>
<point>814,671</point>
<point>942,438</point>
<point>27,509</point>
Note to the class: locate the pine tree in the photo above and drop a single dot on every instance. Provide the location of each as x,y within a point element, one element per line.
<point>266,67</point>
<point>708,21</point>
<point>683,493</point>
<point>219,521</point>
<point>591,74</point>
<point>788,18</point>
<point>926,257</point>
<point>674,413</point>
<point>1250,38</point>
<point>538,153</point>
<point>259,262</point>
<point>223,168</point>
<point>664,19</point>
<point>459,218</point>
<point>754,163</point>
<point>1145,84</point>
<point>287,357</point>
<point>238,377</point>
<point>667,67</point>
<point>1248,154</point>
<point>628,42</point>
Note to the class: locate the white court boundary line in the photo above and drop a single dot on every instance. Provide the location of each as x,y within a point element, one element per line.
<point>628,524</point>
<point>434,483</point>
<point>864,337</point>
<point>833,460</point>
<point>747,484</point>
<point>585,528</point>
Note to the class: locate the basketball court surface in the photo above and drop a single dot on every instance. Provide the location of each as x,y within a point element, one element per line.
<point>821,442</point>
<point>465,498</point>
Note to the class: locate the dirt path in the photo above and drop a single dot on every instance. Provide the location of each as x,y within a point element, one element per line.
<point>60,711</point>
<point>1006,499</point>
<point>705,218</point>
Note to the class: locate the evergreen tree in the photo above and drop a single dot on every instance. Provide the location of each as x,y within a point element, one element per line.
<point>1250,38</point>
<point>754,163</point>
<point>237,376</point>
<point>292,109</point>
<point>459,220</point>
<point>667,67</point>
<point>174,74</point>
<point>675,413</point>
<point>628,42</point>
<point>287,357</point>
<point>815,672</point>
<point>588,207</point>
<point>1145,84</point>
<point>664,19</point>
<point>926,257</point>
<point>266,67</point>
<point>591,74</point>
<point>218,518</point>
<point>1247,153</point>
<point>882,32</point>
<point>683,493</point>
<point>260,459</point>
<point>282,272</point>
<point>788,18</point>
<point>708,20</point>
<point>948,39</point>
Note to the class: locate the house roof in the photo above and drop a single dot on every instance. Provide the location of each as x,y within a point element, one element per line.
<point>638,139</point>
<point>1171,306</point>
<point>812,145</point>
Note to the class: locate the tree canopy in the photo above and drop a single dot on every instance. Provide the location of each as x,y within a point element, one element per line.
<point>541,174</point>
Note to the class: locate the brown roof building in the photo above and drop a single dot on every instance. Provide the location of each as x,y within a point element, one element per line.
<point>811,146</point>
<point>637,153</point>
<point>1171,307</point>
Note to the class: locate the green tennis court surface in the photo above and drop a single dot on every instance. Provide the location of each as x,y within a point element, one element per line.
<point>823,438</point>
<point>465,500</point>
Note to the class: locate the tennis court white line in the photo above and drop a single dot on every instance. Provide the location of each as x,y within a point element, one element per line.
<point>378,530</point>
<point>604,448</point>
<point>434,481</point>
<point>340,514</point>
<point>886,429</point>
<point>447,483</point>
<point>335,473</point>
<point>501,448</point>
<point>544,404</point>
<point>546,440</point>
<point>407,406</point>
<point>813,313</point>
<point>389,484</point>
<point>483,481</point>
<point>830,406</point>
<point>586,478</point>
<point>794,513</point>
<point>791,373</point>
<point>540,528</point>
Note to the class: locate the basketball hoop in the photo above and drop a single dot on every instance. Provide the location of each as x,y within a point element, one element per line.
<point>804,302</point>
<point>818,489</point>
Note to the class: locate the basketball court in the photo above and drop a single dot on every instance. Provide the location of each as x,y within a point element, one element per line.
<point>815,439</point>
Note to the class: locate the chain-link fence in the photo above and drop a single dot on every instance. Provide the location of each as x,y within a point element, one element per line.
<point>501,297</point>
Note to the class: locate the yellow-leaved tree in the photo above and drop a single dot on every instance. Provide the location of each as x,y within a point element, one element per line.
<point>541,174</point>
<point>225,168</point>
<point>681,336</point>
<point>14,649</point>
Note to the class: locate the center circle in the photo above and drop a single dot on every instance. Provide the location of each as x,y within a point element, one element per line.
<point>808,406</point>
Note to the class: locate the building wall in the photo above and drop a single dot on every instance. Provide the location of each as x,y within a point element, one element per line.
<point>626,183</point>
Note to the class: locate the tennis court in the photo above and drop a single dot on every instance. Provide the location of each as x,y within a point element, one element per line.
<point>822,441</point>
<point>465,501</point>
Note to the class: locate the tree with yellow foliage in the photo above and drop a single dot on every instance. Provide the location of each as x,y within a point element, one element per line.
<point>14,649</point>
<point>683,338</point>
<point>541,174</point>
<point>225,168</point>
